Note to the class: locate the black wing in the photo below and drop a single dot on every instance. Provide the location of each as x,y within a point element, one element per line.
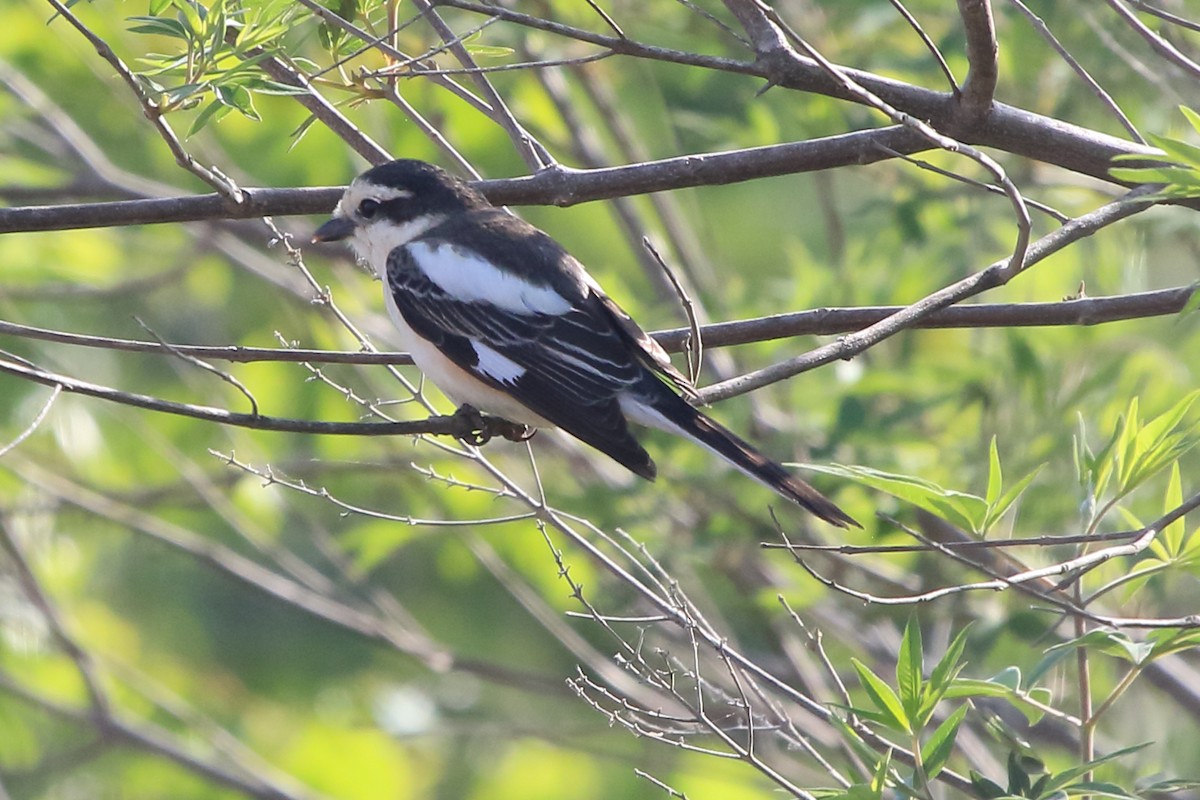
<point>576,364</point>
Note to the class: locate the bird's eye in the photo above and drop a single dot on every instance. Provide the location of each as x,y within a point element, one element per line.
<point>368,208</point>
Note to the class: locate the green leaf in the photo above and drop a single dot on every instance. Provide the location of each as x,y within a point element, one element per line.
<point>158,26</point>
<point>942,672</point>
<point>996,512</point>
<point>944,675</point>
<point>885,700</point>
<point>986,788</point>
<point>1165,642</point>
<point>965,510</point>
<point>189,15</point>
<point>1171,176</point>
<point>995,479</point>
<point>879,778</point>
<point>909,669</point>
<point>1064,779</point>
<point>1172,536</point>
<point>1168,786</point>
<point>937,750</point>
<point>1101,789</point>
<point>861,748</point>
<point>1049,661</point>
<point>1018,779</point>
<point>1113,643</point>
<point>176,96</point>
<point>1003,685</point>
<point>1176,149</point>
<point>213,112</point>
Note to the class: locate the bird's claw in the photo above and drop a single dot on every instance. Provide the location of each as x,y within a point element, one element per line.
<point>515,431</point>
<point>482,429</point>
<point>478,431</point>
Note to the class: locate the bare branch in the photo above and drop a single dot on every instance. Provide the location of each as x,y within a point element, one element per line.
<point>995,275</point>
<point>818,322</point>
<point>1157,43</point>
<point>1040,26</point>
<point>929,44</point>
<point>453,425</point>
<point>34,425</point>
<point>979,90</point>
<point>1006,127</point>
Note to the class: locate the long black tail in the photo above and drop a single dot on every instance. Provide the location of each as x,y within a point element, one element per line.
<point>687,421</point>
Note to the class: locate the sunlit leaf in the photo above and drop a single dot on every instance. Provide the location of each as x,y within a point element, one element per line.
<point>936,751</point>
<point>909,667</point>
<point>886,702</point>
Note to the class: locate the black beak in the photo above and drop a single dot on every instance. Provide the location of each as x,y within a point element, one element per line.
<point>336,229</point>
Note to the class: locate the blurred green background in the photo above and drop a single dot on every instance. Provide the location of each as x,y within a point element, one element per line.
<point>123,512</point>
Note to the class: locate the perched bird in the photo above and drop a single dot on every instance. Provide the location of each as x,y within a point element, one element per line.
<point>502,318</point>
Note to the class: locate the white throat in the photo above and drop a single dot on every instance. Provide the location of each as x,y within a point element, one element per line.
<point>373,243</point>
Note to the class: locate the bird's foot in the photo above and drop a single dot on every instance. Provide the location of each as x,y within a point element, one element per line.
<point>481,429</point>
<point>514,431</point>
<point>478,432</point>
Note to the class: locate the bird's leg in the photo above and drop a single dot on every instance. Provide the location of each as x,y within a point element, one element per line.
<point>482,428</point>
<point>478,431</point>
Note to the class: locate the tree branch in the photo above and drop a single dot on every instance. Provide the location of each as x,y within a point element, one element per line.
<point>995,275</point>
<point>817,322</point>
<point>457,425</point>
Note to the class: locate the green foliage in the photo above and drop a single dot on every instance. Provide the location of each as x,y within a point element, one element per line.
<point>1182,178</point>
<point>978,514</point>
<point>1135,452</point>
<point>199,587</point>
<point>222,45</point>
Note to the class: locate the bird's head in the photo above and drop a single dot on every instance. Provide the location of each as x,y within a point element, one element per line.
<point>391,204</point>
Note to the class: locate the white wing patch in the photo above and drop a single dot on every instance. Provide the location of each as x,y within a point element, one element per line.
<point>465,276</point>
<point>495,364</point>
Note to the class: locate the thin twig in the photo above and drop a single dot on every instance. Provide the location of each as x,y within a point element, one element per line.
<point>204,365</point>
<point>695,341</point>
<point>1157,43</point>
<point>929,44</point>
<point>1165,15</point>
<point>34,424</point>
<point>1044,30</point>
<point>995,275</point>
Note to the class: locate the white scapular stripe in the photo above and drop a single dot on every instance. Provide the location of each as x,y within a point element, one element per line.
<point>467,277</point>
<point>455,382</point>
<point>495,364</point>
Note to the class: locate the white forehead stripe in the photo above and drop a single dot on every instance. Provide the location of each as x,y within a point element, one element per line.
<point>465,276</point>
<point>360,191</point>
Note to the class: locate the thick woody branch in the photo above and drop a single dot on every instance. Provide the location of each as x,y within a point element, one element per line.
<point>561,187</point>
<point>980,28</point>
<point>1006,128</point>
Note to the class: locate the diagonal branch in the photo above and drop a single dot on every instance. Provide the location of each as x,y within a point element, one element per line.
<point>995,275</point>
